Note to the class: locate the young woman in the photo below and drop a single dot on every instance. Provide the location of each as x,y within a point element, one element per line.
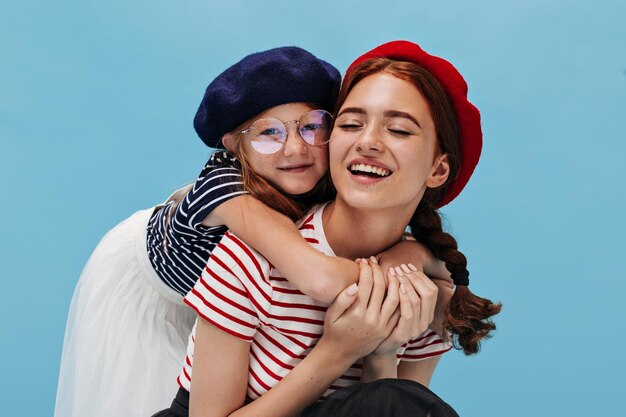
<point>127,326</point>
<point>405,142</point>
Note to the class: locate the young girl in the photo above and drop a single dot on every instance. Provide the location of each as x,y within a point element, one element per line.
<point>405,142</point>
<point>127,325</point>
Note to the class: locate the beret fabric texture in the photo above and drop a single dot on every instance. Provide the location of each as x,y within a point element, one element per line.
<point>260,81</point>
<point>467,115</point>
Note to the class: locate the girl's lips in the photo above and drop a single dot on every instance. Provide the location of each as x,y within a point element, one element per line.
<point>295,169</point>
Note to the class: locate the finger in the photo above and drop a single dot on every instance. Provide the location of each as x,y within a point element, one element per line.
<point>343,301</point>
<point>379,286</point>
<point>414,304</point>
<point>366,281</point>
<point>406,268</point>
<point>392,323</point>
<point>392,299</point>
<point>443,283</point>
<point>427,291</point>
<point>404,329</point>
<point>411,293</point>
<point>407,312</point>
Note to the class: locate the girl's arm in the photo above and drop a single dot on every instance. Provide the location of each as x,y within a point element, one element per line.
<point>412,252</point>
<point>276,237</point>
<point>319,276</point>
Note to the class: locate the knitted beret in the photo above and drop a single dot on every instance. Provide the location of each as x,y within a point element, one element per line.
<point>261,81</point>
<point>467,115</point>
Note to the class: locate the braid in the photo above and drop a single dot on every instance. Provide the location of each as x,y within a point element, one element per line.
<point>468,317</point>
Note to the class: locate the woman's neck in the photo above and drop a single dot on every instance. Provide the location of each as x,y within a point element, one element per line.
<point>354,233</point>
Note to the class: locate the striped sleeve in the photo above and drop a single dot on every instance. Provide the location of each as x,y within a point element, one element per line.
<point>425,346</point>
<point>233,289</point>
<point>219,181</point>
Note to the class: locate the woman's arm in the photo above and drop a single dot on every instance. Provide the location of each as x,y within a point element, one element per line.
<point>359,319</point>
<point>421,371</point>
<point>278,240</point>
<point>220,371</point>
<point>218,387</point>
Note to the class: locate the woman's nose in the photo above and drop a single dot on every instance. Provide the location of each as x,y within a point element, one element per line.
<point>369,140</point>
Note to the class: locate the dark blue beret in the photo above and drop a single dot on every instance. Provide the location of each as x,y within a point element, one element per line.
<point>260,81</point>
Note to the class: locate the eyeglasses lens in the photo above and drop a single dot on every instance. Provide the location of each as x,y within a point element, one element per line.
<point>314,127</point>
<point>267,136</point>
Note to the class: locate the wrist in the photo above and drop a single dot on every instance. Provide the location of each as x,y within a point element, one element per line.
<point>379,366</point>
<point>332,354</point>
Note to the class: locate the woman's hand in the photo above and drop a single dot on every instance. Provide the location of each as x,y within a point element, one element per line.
<point>362,316</point>
<point>417,298</point>
<point>446,291</point>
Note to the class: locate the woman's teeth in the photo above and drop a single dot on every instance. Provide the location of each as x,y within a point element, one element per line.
<point>369,169</point>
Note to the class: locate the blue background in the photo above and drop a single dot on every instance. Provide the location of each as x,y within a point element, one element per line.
<point>96,103</point>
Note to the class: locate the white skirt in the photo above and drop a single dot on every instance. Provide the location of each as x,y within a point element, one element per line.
<point>126,335</point>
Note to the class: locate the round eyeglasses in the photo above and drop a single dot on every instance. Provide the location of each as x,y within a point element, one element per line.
<point>268,136</point>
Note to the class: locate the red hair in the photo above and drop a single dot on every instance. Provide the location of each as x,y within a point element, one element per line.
<point>468,317</point>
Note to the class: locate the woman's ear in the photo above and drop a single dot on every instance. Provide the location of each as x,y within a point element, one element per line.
<point>229,140</point>
<point>440,171</point>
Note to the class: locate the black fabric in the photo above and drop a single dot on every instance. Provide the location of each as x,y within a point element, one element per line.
<point>179,407</point>
<point>382,398</point>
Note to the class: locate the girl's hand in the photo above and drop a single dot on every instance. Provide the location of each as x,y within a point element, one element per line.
<point>361,317</point>
<point>417,298</point>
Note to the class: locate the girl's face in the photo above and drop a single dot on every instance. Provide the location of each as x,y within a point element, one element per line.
<point>297,166</point>
<point>383,148</point>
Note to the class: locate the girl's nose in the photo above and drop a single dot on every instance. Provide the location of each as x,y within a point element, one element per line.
<point>294,144</point>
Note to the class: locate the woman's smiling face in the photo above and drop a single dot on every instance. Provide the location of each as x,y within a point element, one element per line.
<point>383,148</point>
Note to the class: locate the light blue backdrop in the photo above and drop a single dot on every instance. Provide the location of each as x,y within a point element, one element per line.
<point>96,103</point>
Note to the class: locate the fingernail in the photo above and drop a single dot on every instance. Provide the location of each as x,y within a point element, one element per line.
<point>373,260</point>
<point>357,260</point>
<point>402,289</point>
<point>413,268</point>
<point>392,272</point>
<point>399,271</point>
<point>405,268</point>
<point>352,289</point>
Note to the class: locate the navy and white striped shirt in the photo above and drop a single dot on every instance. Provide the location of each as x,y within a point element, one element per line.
<point>180,251</point>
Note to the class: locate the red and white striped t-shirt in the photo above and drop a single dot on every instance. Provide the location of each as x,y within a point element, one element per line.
<point>242,294</point>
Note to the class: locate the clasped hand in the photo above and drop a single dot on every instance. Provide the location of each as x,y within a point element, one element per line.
<point>380,314</point>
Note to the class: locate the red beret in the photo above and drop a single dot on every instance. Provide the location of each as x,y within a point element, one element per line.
<point>467,115</point>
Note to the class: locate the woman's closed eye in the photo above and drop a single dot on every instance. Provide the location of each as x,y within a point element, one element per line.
<point>349,124</point>
<point>399,131</point>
